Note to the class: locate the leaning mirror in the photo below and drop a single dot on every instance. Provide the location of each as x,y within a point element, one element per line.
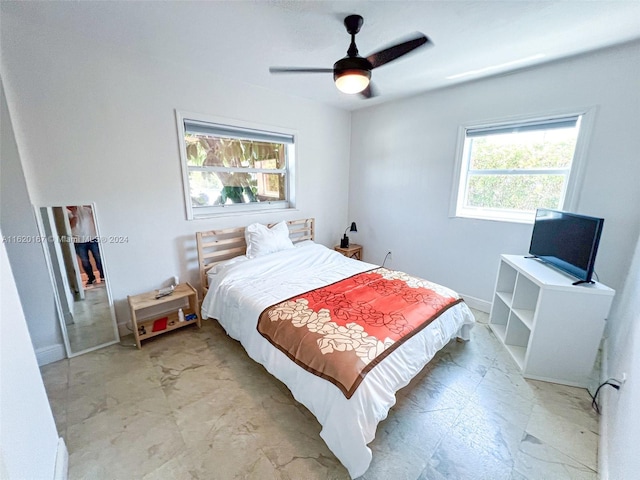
<point>78,271</point>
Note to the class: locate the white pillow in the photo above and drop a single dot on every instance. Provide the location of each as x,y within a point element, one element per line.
<point>262,240</point>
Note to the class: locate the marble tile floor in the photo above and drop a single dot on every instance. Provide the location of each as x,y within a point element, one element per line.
<point>192,405</point>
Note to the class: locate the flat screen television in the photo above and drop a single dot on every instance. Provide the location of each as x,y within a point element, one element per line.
<point>567,241</point>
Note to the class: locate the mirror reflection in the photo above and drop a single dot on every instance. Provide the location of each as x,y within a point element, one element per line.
<point>78,271</point>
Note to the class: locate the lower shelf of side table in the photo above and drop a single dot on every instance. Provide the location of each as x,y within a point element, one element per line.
<point>173,323</point>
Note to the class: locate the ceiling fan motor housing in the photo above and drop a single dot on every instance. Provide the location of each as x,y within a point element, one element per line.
<point>348,65</point>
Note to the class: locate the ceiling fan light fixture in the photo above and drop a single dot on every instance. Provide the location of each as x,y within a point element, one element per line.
<point>352,81</point>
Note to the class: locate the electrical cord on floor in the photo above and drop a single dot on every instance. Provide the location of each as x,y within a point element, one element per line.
<point>594,397</point>
<point>130,328</point>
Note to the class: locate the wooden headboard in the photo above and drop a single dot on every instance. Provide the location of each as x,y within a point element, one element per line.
<point>215,246</point>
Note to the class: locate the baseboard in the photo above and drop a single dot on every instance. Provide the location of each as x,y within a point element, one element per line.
<point>62,461</point>
<point>50,354</point>
<point>583,384</point>
<point>603,439</point>
<point>477,303</point>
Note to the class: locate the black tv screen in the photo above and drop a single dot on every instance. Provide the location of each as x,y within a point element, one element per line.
<point>567,241</point>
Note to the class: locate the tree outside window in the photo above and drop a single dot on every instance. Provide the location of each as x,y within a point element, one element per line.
<point>508,171</point>
<point>235,168</point>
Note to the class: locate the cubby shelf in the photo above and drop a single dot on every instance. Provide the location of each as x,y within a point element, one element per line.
<point>146,309</point>
<point>551,328</point>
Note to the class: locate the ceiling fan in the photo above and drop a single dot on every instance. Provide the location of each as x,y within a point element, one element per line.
<point>352,74</point>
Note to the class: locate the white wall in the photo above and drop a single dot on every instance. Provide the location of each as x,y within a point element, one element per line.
<point>26,256</point>
<point>621,429</point>
<point>28,436</point>
<point>98,125</point>
<point>403,156</point>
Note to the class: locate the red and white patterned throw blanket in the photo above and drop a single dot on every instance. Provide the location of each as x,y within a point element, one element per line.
<point>341,331</point>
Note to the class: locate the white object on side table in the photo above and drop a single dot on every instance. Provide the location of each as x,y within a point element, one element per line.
<point>551,328</point>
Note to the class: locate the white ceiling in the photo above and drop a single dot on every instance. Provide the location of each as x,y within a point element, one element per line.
<point>240,40</point>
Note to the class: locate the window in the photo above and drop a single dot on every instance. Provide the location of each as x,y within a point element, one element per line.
<point>230,168</point>
<point>509,170</point>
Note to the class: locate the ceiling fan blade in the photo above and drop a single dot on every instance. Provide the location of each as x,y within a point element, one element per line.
<point>369,92</point>
<point>392,53</point>
<point>299,70</point>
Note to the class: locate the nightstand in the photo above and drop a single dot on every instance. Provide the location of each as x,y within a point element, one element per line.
<point>153,316</point>
<point>352,251</point>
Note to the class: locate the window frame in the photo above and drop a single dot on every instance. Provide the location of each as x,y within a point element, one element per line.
<point>574,179</point>
<point>240,126</point>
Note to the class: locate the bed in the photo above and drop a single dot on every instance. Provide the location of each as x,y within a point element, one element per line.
<point>242,290</point>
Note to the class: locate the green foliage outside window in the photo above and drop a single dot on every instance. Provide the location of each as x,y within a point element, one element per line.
<point>504,170</point>
<point>516,192</point>
<point>216,187</point>
<point>490,154</point>
<point>204,151</point>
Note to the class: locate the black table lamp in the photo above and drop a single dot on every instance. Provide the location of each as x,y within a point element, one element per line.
<point>344,242</point>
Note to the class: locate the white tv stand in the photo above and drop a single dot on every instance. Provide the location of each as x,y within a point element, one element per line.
<point>551,328</point>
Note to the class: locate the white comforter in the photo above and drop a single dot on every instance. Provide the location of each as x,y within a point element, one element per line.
<point>238,293</point>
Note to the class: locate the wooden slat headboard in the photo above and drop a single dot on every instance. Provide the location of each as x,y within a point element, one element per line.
<point>215,246</point>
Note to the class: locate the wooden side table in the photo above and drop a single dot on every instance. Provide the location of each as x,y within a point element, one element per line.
<point>352,251</point>
<point>146,309</point>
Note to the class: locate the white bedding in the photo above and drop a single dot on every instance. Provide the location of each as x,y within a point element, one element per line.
<point>240,291</point>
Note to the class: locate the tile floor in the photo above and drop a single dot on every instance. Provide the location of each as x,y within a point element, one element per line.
<point>192,405</point>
